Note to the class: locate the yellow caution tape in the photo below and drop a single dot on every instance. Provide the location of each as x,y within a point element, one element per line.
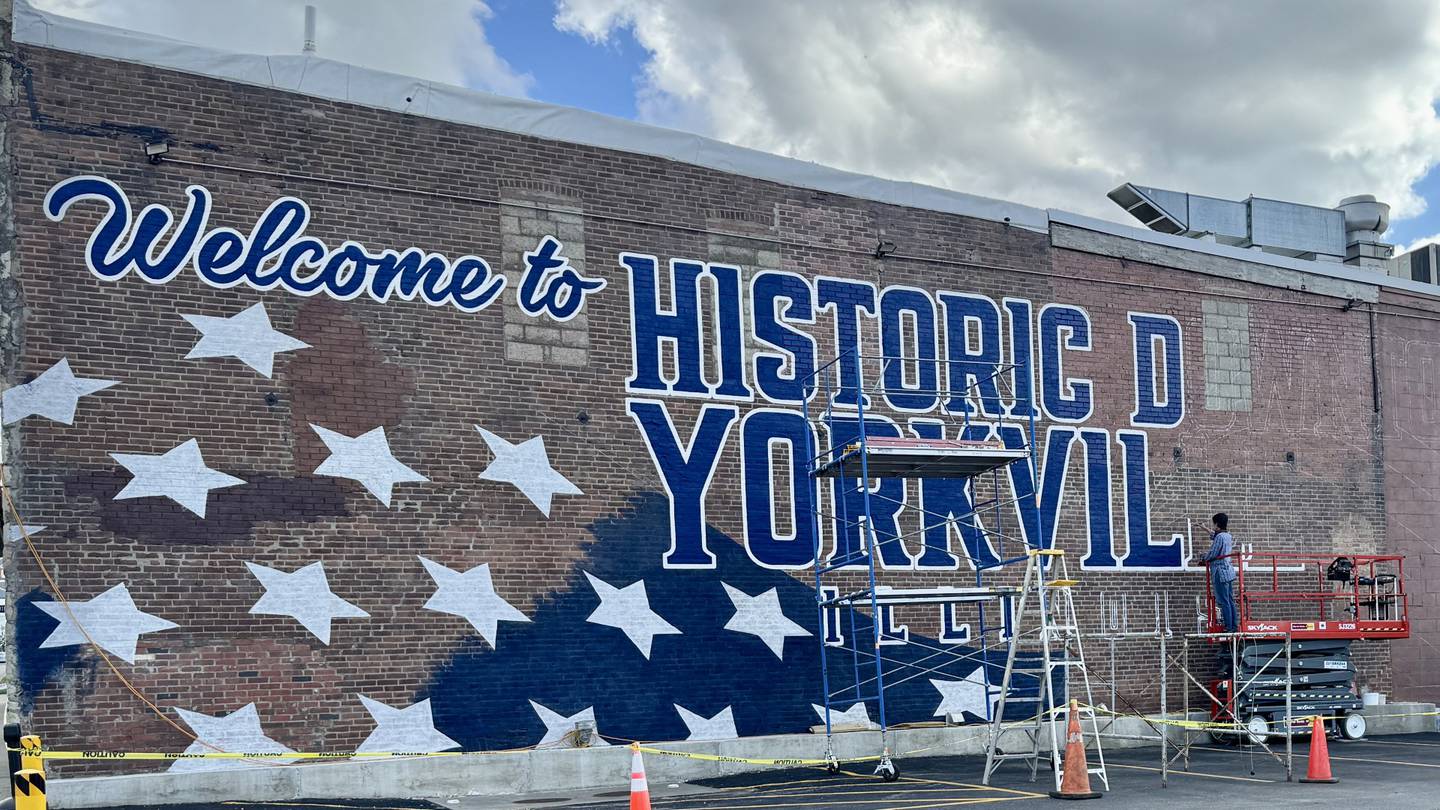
<point>165,756</point>
<point>1208,724</point>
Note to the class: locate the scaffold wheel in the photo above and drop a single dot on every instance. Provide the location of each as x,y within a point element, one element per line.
<point>1257,728</point>
<point>1352,726</point>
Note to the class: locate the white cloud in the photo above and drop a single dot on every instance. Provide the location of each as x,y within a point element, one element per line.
<point>441,40</point>
<point>1427,240</point>
<point>1055,103</point>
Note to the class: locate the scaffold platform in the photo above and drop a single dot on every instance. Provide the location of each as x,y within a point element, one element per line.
<point>882,457</point>
<point>885,595</point>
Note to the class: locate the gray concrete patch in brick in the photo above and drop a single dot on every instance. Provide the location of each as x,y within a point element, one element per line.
<point>526,218</point>
<point>1226,337</point>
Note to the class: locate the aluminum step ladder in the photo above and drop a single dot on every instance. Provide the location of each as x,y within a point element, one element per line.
<point>1049,604</point>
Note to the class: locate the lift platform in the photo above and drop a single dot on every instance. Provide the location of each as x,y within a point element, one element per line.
<point>1308,596</point>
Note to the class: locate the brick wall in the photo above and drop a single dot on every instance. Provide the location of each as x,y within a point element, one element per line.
<point>1289,447</point>
<point>1408,350</point>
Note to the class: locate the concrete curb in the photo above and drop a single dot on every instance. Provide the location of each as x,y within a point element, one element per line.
<point>1383,719</point>
<point>564,770</point>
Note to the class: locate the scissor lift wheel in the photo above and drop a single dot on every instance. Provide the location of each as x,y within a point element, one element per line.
<point>1352,726</point>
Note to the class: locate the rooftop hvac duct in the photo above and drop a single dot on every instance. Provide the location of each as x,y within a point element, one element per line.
<point>1274,226</point>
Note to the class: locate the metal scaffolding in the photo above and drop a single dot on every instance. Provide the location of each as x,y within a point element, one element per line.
<point>857,445</point>
<point>1226,717</point>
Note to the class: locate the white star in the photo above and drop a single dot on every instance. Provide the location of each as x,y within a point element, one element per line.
<point>558,727</point>
<point>719,727</point>
<point>179,474</point>
<point>762,617</point>
<point>472,596</point>
<point>856,715</point>
<point>247,336</point>
<point>410,730</point>
<point>628,609</point>
<point>14,534</point>
<point>52,395</point>
<point>303,595</point>
<point>365,458</point>
<point>236,733</point>
<point>970,694</point>
<point>527,466</point>
<point>111,619</point>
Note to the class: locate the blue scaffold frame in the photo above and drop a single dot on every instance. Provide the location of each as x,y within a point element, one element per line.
<point>820,392</point>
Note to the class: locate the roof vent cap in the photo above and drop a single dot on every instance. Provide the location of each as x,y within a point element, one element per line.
<point>1364,213</point>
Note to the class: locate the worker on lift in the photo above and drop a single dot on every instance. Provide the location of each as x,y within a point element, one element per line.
<point>1222,572</point>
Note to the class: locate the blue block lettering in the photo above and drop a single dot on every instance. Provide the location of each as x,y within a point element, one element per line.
<point>651,327</point>
<point>1022,354</point>
<point>848,299</point>
<point>1159,371</point>
<point>1141,553</point>
<point>1063,328</point>
<point>1038,510</point>
<point>761,430</point>
<point>732,333</point>
<point>1101,549</point>
<point>972,363</point>
<point>920,342</point>
<point>778,299</point>
<point>686,471</point>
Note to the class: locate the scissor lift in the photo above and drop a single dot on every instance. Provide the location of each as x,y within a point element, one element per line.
<point>853,453</point>
<point>1318,605</point>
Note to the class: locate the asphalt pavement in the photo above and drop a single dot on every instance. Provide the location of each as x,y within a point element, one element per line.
<point>1399,772</point>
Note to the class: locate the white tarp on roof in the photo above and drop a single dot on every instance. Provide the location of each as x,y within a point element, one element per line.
<point>325,78</point>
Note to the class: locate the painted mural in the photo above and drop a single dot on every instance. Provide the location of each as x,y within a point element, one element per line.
<point>658,580</point>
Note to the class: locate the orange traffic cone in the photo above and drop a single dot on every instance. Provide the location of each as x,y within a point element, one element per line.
<point>639,788</point>
<point>1319,768</point>
<point>1075,784</point>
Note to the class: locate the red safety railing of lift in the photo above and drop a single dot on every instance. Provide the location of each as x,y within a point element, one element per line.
<point>1313,596</point>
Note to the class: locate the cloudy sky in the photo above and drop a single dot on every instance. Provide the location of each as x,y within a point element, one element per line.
<point>1050,103</point>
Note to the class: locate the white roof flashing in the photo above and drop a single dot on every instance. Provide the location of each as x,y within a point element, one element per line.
<point>324,78</point>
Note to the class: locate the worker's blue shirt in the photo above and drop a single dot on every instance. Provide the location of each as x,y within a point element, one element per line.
<point>1218,557</point>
